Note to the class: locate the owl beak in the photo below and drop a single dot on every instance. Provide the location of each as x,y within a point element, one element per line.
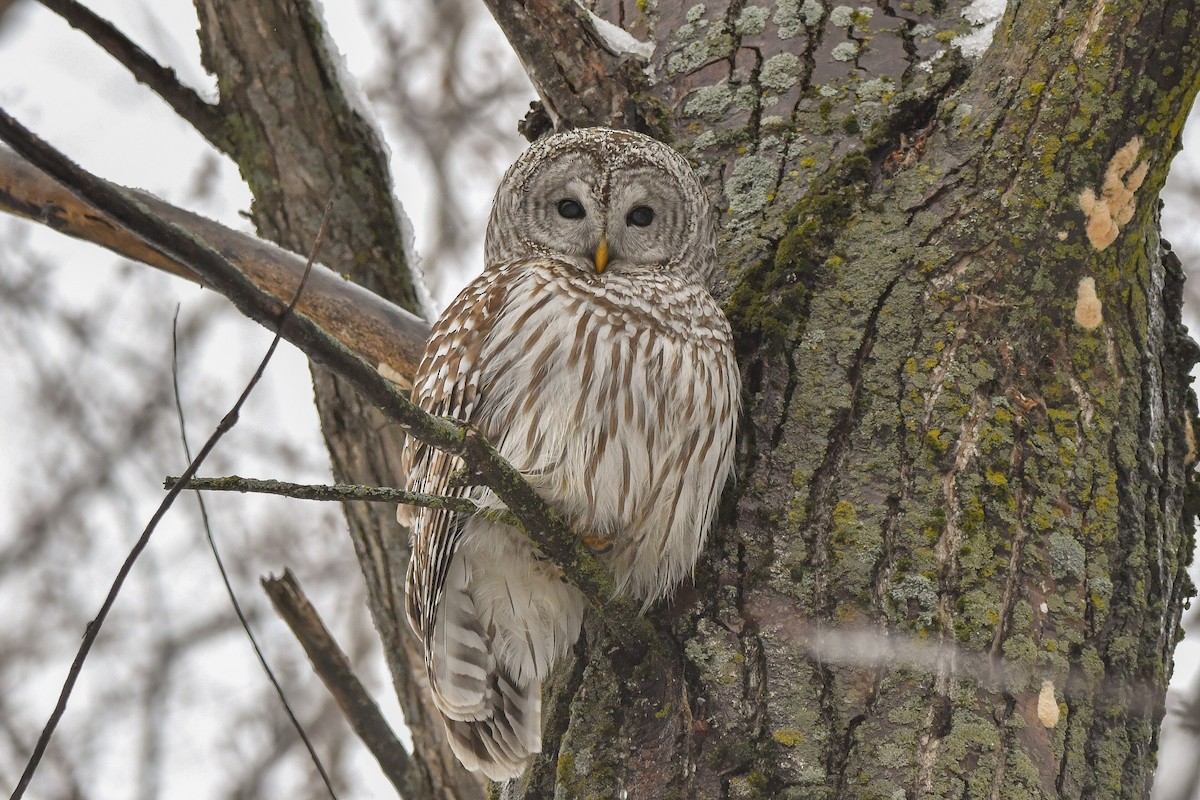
<point>601,257</point>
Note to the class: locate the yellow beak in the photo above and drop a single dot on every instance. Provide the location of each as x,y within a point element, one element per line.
<point>601,257</point>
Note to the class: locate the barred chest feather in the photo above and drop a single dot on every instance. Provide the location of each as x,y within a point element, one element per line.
<point>619,402</point>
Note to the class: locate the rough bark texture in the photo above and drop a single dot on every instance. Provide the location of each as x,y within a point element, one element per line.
<point>953,561</point>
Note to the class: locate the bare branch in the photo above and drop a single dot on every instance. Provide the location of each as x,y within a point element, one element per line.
<point>341,492</point>
<point>212,541</point>
<point>374,329</point>
<point>163,81</point>
<point>581,78</point>
<point>333,668</point>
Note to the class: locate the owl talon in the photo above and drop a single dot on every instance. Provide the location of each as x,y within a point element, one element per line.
<point>597,544</point>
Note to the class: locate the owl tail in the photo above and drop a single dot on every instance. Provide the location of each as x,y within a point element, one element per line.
<point>494,722</point>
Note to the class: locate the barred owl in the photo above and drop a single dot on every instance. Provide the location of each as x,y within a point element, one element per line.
<point>591,355</point>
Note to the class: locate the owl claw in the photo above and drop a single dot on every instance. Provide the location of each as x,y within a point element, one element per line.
<point>597,544</point>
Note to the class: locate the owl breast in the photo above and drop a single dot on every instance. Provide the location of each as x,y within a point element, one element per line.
<point>619,403</point>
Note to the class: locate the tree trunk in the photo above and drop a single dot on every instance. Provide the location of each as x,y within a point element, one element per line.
<point>952,564</point>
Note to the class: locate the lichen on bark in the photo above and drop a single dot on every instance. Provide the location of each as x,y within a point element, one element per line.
<point>951,493</point>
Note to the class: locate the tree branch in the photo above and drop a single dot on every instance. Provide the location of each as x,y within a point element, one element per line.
<point>212,540</point>
<point>341,492</point>
<point>582,77</point>
<point>333,668</point>
<point>204,117</point>
<point>374,329</point>
<point>547,529</point>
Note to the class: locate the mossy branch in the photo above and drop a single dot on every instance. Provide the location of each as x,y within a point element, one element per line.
<point>344,492</point>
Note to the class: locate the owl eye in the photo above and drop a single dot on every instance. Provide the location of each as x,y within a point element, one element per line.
<point>640,216</point>
<point>570,209</point>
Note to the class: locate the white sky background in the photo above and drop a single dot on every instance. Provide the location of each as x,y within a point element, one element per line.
<point>61,85</point>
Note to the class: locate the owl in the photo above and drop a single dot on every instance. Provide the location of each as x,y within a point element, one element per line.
<point>590,354</point>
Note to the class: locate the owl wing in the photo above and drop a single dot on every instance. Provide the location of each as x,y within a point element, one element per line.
<point>446,384</point>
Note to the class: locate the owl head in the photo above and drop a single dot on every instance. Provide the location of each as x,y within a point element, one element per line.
<point>606,202</point>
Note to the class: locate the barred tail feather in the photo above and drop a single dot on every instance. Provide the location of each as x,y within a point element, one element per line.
<point>494,722</point>
<point>500,745</point>
<point>458,651</point>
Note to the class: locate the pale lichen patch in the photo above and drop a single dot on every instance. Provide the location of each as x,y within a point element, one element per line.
<point>1047,707</point>
<point>689,59</point>
<point>1115,205</point>
<point>704,140</point>
<point>1089,311</point>
<point>876,89</point>
<point>752,21</point>
<point>780,72</point>
<point>812,11</point>
<point>961,117</point>
<point>750,186</point>
<point>842,16</point>
<point>846,51</point>
<point>917,597</point>
<point>709,100</point>
<point>1068,559</point>
<point>791,17</point>
<point>695,22</point>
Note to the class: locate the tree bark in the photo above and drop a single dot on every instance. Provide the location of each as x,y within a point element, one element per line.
<point>953,562</point>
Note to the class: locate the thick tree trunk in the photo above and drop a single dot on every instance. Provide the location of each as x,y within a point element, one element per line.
<point>953,561</point>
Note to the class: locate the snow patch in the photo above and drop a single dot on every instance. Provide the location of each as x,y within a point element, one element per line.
<point>357,98</point>
<point>984,14</point>
<point>617,39</point>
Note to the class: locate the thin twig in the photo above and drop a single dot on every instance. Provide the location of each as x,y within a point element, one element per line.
<point>163,81</point>
<point>332,666</point>
<point>345,492</point>
<point>212,542</point>
<point>93,627</point>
